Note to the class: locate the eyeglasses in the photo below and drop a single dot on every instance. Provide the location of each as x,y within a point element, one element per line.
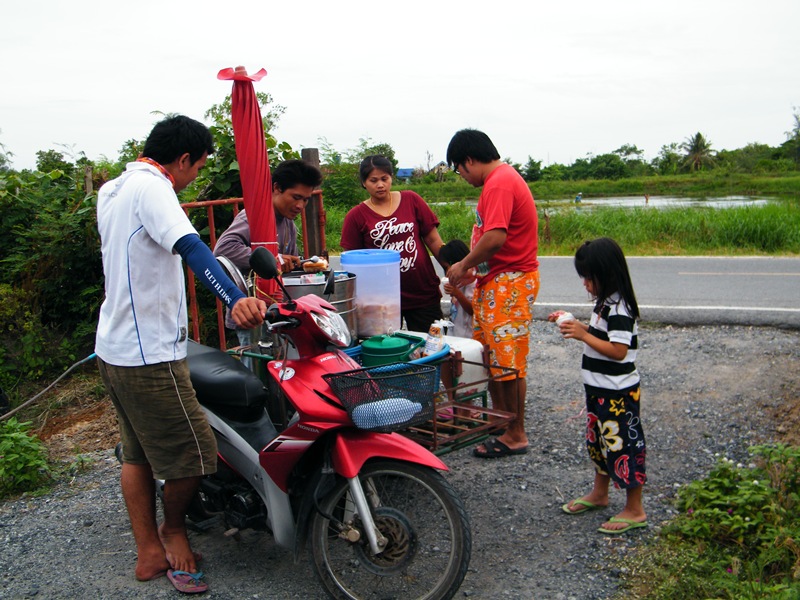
<point>455,169</point>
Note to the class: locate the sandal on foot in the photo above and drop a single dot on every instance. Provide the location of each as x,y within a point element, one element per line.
<point>585,504</point>
<point>445,415</point>
<point>630,524</point>
<point>496,449</point>
<point>187,583</point>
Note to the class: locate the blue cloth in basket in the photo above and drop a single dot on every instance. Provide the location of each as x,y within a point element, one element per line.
<point>384,413</point>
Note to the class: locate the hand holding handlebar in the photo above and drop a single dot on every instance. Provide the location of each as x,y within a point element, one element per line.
<point>249,312</point>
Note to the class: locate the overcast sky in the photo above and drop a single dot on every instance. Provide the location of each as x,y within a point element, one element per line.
<point>551,80</point>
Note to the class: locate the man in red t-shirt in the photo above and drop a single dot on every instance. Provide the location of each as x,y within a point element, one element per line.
<point>504,248</point>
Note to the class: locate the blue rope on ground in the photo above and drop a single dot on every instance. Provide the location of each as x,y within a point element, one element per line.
<point>64,374</point>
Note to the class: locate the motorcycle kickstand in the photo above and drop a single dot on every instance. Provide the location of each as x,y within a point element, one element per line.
<point>377,542</point>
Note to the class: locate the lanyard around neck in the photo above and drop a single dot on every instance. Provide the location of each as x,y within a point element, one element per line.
<point>163,171</point>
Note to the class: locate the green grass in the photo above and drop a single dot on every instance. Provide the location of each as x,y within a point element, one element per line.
<point>771,229</point>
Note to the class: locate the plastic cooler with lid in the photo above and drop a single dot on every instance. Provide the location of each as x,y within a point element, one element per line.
<point>377,289</point>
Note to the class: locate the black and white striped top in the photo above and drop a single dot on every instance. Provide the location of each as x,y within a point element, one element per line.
<point>613,323</point>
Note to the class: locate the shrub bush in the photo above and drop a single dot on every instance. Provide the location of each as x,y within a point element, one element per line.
<point>23,459</point>
<point>737,533</point>
<point>25,347</point>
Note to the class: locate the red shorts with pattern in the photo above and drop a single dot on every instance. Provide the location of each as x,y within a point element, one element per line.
<point>503,312</point>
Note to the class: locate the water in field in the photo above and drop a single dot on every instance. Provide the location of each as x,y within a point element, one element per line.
<point>647,202</point>
<point>664,202</point>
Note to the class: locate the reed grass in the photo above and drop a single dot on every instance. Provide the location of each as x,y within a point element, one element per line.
<point>770,229</point>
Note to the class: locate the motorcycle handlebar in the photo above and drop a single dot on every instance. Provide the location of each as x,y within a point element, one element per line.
<point>272,318</point>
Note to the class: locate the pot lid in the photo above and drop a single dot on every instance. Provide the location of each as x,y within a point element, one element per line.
<point>385,344</point>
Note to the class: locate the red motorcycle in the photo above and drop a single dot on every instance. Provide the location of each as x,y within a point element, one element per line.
<point>380,519</point>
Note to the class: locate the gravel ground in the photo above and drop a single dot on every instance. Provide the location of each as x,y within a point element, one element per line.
<point>707,392</point>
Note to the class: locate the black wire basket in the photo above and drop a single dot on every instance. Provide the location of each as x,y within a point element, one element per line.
<point>387,398</point>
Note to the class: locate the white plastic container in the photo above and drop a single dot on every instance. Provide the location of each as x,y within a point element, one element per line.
<point>377,289</point>
<point>472,351</point>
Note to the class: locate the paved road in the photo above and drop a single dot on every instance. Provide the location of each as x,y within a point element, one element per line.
<point>690,290</point>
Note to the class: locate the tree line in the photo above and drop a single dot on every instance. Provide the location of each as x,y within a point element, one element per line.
<point>694,154</point>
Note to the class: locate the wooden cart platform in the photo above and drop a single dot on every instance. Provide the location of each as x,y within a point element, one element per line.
<point>462,417</point>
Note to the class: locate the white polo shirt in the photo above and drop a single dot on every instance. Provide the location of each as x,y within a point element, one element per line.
<point>143,317</point>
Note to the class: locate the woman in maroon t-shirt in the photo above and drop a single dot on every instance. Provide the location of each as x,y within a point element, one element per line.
<point>403,222</point>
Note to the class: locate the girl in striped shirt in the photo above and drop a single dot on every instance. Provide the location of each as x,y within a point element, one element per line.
<point>614,434</point>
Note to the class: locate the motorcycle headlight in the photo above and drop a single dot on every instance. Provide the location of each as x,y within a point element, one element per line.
<point>333,326</point>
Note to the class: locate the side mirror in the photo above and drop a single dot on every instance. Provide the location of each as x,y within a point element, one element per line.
<point>232,271</point>
<point>264,264</point>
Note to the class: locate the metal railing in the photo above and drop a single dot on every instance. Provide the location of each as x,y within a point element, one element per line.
<point>315,237</point>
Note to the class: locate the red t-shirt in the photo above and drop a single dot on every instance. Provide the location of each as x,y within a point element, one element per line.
<point>506,203</point>
<point>403,231</point>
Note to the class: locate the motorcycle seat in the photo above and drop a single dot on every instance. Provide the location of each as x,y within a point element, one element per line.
<point>222,382</point>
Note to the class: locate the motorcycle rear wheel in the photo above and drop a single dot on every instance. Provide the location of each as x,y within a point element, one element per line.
<point>429,538</point>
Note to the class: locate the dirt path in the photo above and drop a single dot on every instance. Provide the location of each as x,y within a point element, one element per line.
<point>707,392</point>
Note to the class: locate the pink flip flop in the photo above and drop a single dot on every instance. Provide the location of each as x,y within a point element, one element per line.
<point>187,583</point>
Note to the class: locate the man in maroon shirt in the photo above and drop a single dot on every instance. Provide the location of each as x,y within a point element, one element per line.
<point>403,222</point>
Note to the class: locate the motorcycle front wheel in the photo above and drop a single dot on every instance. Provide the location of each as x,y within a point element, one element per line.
<point>424,522</point>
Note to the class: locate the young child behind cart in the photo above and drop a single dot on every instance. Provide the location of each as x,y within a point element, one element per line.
<point>460,307</point>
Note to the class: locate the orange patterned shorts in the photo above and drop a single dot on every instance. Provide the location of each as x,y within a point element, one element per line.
<point>503,313</point>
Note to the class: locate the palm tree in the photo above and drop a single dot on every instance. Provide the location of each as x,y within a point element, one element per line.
<point>790,148</point>
<point>698,152</point>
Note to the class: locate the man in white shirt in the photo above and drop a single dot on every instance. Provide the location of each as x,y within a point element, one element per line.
<point>141,340</point>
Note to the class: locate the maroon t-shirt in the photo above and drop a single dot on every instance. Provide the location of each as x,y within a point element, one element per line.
<point>403,231</point>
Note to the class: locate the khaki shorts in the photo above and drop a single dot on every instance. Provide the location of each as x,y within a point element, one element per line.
<point>160,421</point>
<point>503,314</point>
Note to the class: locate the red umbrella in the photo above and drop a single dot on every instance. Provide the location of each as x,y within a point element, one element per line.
<point>251,153</point>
